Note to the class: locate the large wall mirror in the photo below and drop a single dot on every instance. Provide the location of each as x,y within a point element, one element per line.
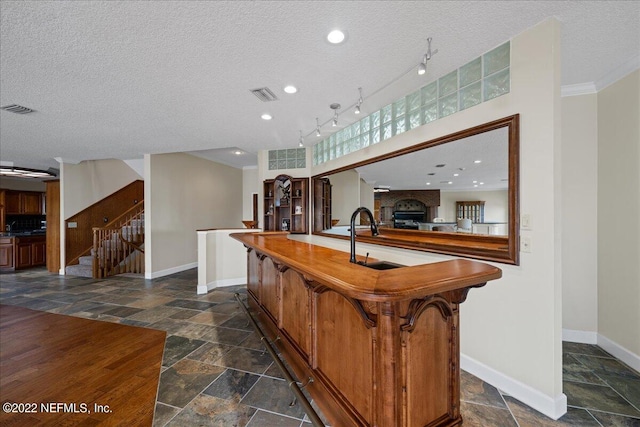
<point>456,195</point>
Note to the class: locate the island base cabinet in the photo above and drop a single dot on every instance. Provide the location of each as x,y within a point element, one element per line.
<point>6,253</point>
<point>372,363</point>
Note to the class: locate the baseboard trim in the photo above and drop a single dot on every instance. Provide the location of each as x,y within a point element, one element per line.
<point>203,289</point>
<point>618,351</point>
<point>168,271</point>
<point>551,407</point>
<point>583,337</point>
<point>611,347</point>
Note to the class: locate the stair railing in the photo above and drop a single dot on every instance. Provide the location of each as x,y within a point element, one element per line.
<point>118,247</point>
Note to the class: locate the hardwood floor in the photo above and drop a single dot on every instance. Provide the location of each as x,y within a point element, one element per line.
<point>73,371</point>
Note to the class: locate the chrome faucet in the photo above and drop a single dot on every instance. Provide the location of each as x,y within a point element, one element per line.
<point>374,230</point>
<point>9,227</point>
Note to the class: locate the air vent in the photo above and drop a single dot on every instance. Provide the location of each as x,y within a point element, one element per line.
<point>264,94</point>
<point>18,109</point>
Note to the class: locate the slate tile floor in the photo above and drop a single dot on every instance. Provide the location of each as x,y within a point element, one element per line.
<point>216,373</point>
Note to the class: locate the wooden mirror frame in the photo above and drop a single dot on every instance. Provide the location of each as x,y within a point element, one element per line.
<point>485,247</point>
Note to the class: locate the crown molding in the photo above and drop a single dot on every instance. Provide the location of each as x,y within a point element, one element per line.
<point>611,77</point>
<point>578,89</point>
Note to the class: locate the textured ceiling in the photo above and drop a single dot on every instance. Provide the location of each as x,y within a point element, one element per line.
<point>111,79</point>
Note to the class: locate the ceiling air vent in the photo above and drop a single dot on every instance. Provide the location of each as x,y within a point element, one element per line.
<point>18,109</point>
<point>264,94</point>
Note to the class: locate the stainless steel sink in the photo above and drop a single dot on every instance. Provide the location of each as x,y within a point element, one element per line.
<point>383,265</point>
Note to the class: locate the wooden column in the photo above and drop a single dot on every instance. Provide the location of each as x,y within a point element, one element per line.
<point>53,225</point>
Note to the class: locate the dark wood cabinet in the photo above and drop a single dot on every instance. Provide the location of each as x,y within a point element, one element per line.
<point>321,204</point>
<point>286,204</point>
<point>6,253</point>
<point>12,202</point>
<point>23,202</point>
<point>22,252</point>
<point>39,253</point>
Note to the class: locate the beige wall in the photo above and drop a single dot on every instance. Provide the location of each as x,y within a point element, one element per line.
<point>619,213</point>
<point>496,208</point>
<point>345,195</point>
<point>91,181</point>
<point>511,329</point>
<point>366,195</point>
<point>21,184</point>
<point>580,217</point>
<point>184,193</point>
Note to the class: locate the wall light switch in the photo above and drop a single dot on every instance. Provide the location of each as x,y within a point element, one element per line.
<point>525,221</point>
<point>525,244</point>
<point>72,225</point>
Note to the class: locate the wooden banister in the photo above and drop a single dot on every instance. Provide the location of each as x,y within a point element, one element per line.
<point>117,247</point>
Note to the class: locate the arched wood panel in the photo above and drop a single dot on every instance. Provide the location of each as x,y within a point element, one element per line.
<point>430,355</point>
<point>344,349</point>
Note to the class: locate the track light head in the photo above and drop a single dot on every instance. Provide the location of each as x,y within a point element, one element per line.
<point>335,107</point>
<point>422,68</point>
<point>357,110</point>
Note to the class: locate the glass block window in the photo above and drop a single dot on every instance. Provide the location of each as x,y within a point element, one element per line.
<point>477,81</point>
<point>293,158</point>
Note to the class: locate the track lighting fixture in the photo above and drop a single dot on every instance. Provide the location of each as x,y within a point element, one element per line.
<point>301,143</point>
<point>357,111</point>
<point>422,68</point>
<point>317,127</point>
<point>335,107</point>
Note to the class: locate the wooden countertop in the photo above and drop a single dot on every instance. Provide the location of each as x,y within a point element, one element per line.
<point>333,269</point>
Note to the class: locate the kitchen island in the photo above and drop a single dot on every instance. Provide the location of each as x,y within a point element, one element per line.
<point>22,250</point>
<point>380,346</point>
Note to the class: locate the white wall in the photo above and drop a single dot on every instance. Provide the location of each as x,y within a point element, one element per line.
<point>496,207</point>
<point>90,181</point>
<point>618,218</point>
<point>580,217</point>
<point>184,193</point>
<point>511,329</point>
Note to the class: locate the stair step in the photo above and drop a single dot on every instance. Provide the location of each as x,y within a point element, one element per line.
<point>86,260</point>
<point>79,270</point>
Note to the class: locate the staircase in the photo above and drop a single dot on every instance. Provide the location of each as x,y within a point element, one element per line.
<point>118,248</point>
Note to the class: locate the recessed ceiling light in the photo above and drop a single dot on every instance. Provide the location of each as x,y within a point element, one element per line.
<point>450,182</point>
<point>266,116</point>
<point>477,161</point>
<point>335,37</point>
<point>237,153</point>
<point>290,89</point>
<point>428,183</point>
<point>482,183</point>
<point>475,182</point>
<point>456,174</point>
